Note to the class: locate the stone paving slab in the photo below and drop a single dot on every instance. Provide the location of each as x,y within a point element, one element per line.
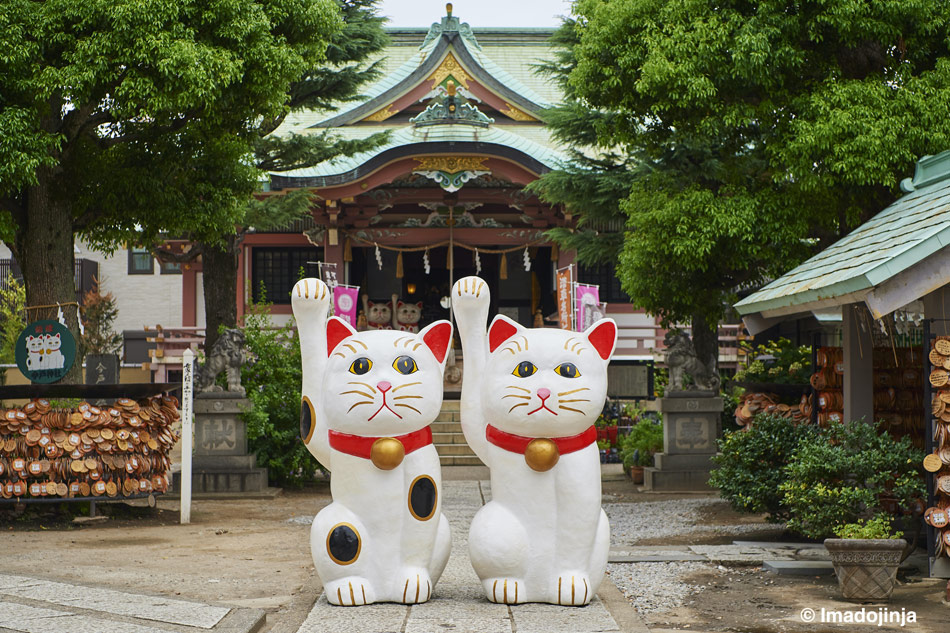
<point>744,555</point>
<point>799,567</point>
<point>459,604</point>
<point>155,608</point>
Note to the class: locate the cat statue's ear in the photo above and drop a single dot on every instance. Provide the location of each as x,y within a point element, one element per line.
<point>337,330</point>
<point>438,337</point>
<point>501,329</point>
<point>603,337</point>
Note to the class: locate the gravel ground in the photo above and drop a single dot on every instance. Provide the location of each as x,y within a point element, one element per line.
<point>634,522</point>
<point>655,587</point>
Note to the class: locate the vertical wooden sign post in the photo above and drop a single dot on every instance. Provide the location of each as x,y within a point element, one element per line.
<point>187,431</point>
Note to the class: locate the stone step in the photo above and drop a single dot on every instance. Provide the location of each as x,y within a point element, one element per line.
<point>446,427</point>
<point>447,450</point>
<point>460,461</point>
<point>448,438</point>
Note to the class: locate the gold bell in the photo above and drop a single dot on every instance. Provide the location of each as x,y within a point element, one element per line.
<point>387,453</point>
<point>541,454</point>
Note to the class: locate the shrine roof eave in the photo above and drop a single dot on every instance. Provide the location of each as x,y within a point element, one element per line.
<point>381,159</point>
<point>407,77</point>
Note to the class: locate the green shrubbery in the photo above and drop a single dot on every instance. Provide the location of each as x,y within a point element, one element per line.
<point>776,361</point>
<point>816,480</point>
<point>841,475</point>
<point>879,527</point>
<point>751,465</point>
<point>638,446</point>
<point>273,386</point>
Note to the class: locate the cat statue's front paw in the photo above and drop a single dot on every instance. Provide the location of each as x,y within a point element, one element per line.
<point>505,590</point>
<point>470,293</point>
<point>352,591</point>
<point>573,590</point>
<point>310,295</point>
<point>417,587</point>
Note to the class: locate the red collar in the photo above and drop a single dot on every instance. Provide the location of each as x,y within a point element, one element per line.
<point>360,446</point>
<point>519,443</point>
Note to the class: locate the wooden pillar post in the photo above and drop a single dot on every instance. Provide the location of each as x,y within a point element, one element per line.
<point>858,364</point>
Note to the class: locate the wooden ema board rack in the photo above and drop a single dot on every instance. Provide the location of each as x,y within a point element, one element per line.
<point>938,462</point>
<point>118,450</point>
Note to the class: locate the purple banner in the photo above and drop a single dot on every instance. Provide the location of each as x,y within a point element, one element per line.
<point>345,303</point>
<point>588,306</point>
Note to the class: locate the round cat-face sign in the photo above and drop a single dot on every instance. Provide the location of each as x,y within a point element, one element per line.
<point>45,351</point>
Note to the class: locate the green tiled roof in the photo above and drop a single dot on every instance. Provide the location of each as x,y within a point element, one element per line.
<point>409,135</point>
<point>902,235</point>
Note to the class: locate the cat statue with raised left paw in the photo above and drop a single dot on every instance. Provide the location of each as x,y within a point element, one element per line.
<point>368,400</point>
<point>530,397</point>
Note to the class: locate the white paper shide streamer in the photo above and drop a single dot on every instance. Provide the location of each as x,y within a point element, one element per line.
<point>379,257</point>
<point>527,260</point>
<point>478,263</point>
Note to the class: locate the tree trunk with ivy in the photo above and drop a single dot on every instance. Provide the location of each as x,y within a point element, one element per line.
<point>219,278</point>
<point>43,248</point>
<point>706,341</point>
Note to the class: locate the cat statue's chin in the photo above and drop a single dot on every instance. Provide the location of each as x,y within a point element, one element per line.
<point>368,400</point>
<point>529,401</point>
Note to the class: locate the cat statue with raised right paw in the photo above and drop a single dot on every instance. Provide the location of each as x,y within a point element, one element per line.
<point>529,401</point>
<point>368,400</point>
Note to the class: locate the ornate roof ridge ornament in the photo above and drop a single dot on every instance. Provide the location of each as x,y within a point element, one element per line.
<point>451,109</point>
<point>450,24</point>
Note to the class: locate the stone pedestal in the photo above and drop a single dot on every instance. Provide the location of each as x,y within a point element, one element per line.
<point>691,424</point>
<point>221,463</point>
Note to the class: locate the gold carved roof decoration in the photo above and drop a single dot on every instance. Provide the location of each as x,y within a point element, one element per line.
<point>449,67</point>
<point>382,115</point>
<point>514,113</point>
<point>451,164</point>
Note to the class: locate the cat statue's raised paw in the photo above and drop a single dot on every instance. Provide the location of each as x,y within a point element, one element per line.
<point>368,400</point>
<point>529,401</point>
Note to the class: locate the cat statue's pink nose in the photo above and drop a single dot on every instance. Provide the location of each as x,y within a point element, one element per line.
<point>384,386</point>
<point>544,393</point>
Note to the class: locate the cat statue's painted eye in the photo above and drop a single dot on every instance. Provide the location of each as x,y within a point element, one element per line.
<point>524,369</point>
<point>405,365</point>
<point>360,366</point>
<point>568,370</point>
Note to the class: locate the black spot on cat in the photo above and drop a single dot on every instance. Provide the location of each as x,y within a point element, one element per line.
<point>306,420</point>
<point>423,496</point>
<point>343,544</point>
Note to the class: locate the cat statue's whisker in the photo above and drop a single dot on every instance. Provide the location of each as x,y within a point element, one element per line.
<point>399,404</point>
<point>571,409</point>
<point>406,396</point>
<point>516,395</point>
<point>517,387</point>
<point>363,384</point>
<point>358,404</point>
<point>408,384</point>
<point>365,395</point>
<point>567,393</point>
<point>574,400</point>
<point>520,404</point>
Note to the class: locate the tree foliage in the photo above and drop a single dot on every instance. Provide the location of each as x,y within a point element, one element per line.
<point>121,119</point>
<point>752,133</point>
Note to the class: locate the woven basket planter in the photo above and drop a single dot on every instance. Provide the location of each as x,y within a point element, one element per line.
<point>866,568</point>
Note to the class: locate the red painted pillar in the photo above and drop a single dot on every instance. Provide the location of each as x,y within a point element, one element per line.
<point>189,299</point>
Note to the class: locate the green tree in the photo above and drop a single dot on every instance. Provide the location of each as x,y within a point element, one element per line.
<point>99,313</point>
<point>121,119</point>
<point>322,87</point>
<point>754,132</point>
<point>12,320</point>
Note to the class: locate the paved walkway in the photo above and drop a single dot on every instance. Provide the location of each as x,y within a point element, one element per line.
<point>31,605</point>
<point>460,606</point>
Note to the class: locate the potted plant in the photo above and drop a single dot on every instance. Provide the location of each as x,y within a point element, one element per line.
<point>99,343</point>
<point>603,447</point>
<point>638,446</point>
<point>866,556</point>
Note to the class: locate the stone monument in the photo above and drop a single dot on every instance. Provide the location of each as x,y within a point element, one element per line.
<point>691,421</point>
<point>222,463</point>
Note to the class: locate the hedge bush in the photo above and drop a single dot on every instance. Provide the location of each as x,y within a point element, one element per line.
<point>840,475</point>
<point>751,465</point>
